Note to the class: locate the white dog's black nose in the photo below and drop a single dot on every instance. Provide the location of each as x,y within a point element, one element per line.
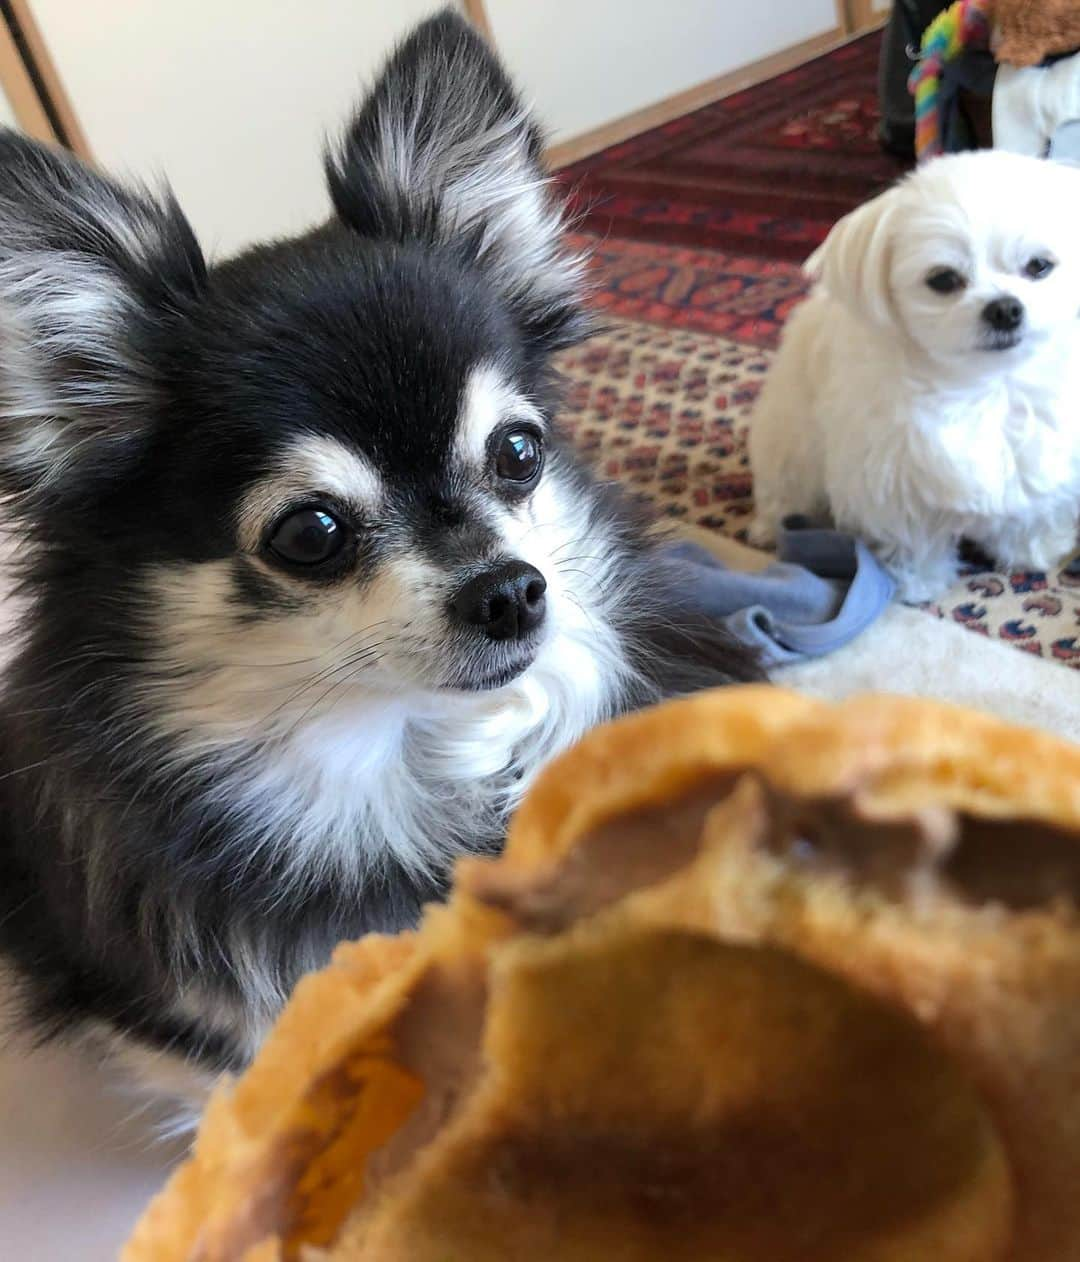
<point>1004,314</point>
<point>503,603</point>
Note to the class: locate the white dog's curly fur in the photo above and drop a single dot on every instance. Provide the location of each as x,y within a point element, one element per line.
<point>929,389</point>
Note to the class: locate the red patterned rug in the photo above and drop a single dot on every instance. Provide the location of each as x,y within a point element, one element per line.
<point>765,172</point>
<point>746,299</point>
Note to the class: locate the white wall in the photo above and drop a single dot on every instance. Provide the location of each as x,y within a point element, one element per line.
<point>232,98</point>
<point>7,114</point>
<point>586,62</point>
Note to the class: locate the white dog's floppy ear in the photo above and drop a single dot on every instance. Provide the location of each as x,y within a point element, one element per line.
<point>853,263</point>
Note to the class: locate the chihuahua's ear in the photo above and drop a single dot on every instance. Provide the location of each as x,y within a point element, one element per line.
<point>88,272</point>
<point>853,262</point>
<point>442,151</point>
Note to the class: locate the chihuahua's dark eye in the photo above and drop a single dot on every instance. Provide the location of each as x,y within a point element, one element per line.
<point>519,455</point>
<point>1038,267</point>
<point>308,536</point>
<point>945,280</point>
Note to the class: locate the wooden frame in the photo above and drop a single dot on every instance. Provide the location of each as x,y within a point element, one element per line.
<point>857,16</point>
<point>655,115</point>
<point>20,91</point>
<point>476,12</point>
<point>32,83</point>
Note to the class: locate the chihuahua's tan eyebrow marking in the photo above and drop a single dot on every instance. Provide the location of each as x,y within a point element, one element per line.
<point>488,402</point>
<point>314,466</point>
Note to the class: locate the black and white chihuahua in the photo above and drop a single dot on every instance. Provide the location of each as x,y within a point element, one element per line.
<point>311,588</point>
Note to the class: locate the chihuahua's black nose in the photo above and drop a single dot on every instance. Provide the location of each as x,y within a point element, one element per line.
<point>1004,314</point>
<point>503,603</point>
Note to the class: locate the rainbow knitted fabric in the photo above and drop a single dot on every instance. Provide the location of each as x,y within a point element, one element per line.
<point>963,25</point>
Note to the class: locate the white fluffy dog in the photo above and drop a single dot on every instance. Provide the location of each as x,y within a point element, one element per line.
<point>929,388</point>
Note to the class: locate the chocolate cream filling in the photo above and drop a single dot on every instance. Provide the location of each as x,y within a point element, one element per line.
<point>1020,864</point>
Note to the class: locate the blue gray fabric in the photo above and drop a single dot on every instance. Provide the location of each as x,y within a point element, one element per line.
<point>824,590</point>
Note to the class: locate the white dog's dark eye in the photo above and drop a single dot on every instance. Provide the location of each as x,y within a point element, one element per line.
<point>519,455</point>
<point>945,281</point>
<point>1039,267</point>
<point>307,536</point>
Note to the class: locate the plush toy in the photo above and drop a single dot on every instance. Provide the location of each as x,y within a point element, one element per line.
<point>962,26</point>
<point>1028,31</point>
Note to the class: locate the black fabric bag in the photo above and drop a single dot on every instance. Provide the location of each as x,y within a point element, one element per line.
<point>903,35</point>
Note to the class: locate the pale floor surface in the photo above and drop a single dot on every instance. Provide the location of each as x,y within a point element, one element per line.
<point>78,1163</point>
